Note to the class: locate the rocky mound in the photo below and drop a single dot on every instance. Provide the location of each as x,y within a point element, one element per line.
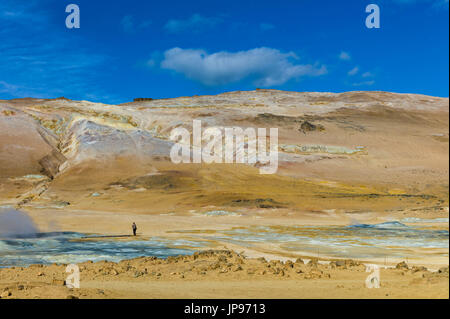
<point>37,281</point>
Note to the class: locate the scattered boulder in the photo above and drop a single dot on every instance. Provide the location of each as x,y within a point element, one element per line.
<point>313,262</point>
<point>223,271</point>
<point>222,259</point>
<point>236,268</point>
<point>171,259</point>
<point>57,282</point>
<point>443,270</point>
<point>299,261</point>
<point>314,274</point>
<point>214,266</point>
<point>415,269</point>
<point>351,263</point>
<point>299,271</point>
<point>403,265</point>
<point>309,127</point>
<point>262,260</point>
<point>36,266</point>
<point>277,271</point>
<point>113,272</point>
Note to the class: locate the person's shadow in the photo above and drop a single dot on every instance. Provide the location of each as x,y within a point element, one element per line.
<point>107,236</point>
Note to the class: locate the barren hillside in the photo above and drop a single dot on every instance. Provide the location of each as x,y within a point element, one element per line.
<point>360,150</point>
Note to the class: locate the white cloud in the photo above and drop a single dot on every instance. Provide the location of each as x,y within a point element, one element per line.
<point>129,24</point>
<point>8,88</point>
<point>365,83</point>
<point>265,66</point>
<point>367,75</point>
<point>353,71</point>
<point>195,23</point>
<point>21,13</point>
<point>344,56</point>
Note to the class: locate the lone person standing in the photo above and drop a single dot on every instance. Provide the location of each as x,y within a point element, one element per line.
<point>134,228</point>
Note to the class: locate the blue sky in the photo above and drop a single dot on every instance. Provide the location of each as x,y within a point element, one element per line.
<point>127,49</point>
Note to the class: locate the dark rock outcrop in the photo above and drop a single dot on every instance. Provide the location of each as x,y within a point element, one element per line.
<point>51,163</point>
